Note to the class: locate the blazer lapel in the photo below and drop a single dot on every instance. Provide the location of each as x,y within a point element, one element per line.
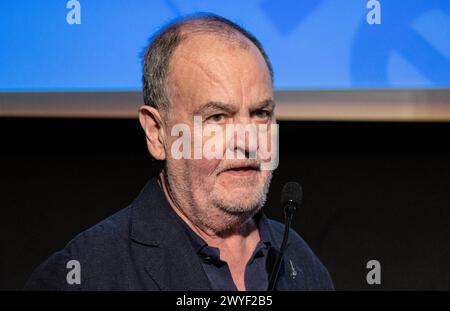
<point>290,276</point>
<point>171,262</point>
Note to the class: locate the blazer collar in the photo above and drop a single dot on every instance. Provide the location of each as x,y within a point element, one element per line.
<point>171,261</point>
<point>150,216</point>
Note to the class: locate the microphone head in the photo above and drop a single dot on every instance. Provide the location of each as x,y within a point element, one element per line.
<point>292,194</point>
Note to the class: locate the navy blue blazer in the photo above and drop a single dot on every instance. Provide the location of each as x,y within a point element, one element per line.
<point>143,248</point>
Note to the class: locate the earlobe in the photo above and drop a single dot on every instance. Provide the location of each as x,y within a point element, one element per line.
<point>152,125</point>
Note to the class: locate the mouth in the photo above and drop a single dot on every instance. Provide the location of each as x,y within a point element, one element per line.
<point>242,170</point>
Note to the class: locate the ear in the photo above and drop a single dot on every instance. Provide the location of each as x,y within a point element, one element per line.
<point>152,124</point>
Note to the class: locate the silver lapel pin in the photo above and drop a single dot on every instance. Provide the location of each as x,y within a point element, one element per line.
<point>293,272</point>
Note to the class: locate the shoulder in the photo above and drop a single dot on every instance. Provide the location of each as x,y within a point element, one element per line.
<point>89,249</point>
<point>299,252</point>
<point>100,237</point>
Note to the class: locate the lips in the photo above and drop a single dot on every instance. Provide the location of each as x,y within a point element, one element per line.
<point>241,170</point>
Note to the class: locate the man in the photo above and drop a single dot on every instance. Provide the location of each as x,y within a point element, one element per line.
<point>198,224</point>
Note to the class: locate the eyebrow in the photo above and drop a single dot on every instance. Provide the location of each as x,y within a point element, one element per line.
<point>267,103</point>
<point>213,106</point>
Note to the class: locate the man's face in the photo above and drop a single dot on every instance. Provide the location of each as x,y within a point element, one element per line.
<point>225,84</point>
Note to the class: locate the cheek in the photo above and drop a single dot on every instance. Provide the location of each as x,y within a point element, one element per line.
<point>202,169</point>
<point>265,174</point>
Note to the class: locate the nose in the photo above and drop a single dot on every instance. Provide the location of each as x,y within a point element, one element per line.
<point>242,140</point>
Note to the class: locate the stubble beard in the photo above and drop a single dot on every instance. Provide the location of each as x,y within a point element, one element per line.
<point>211,211</point>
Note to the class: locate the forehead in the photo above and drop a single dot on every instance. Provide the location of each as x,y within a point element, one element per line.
<point>210,67</point>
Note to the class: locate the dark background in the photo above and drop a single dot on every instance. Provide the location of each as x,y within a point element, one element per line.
<point>373,190</point>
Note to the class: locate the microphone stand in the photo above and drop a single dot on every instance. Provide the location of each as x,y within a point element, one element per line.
<point>289,210</point>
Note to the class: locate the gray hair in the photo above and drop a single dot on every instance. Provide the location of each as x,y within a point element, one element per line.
<point>158,53</point>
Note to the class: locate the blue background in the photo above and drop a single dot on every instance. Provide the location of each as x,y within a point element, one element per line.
<point>315,44</point>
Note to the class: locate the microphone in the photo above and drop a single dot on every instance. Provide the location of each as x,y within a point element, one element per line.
<point>291,199</point>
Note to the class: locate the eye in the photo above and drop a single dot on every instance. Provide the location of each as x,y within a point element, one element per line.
<point>216,118</point>
<point>263,114</point>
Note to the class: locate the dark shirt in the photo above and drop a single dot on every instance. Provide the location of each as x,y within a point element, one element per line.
<point>217,270</point>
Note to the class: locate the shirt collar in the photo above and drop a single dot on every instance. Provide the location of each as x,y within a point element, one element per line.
<point>201,247</point>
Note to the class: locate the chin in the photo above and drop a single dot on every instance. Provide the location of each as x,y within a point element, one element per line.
<point>229,221</point>
<point>231,208</point>
<point>236,202</point>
